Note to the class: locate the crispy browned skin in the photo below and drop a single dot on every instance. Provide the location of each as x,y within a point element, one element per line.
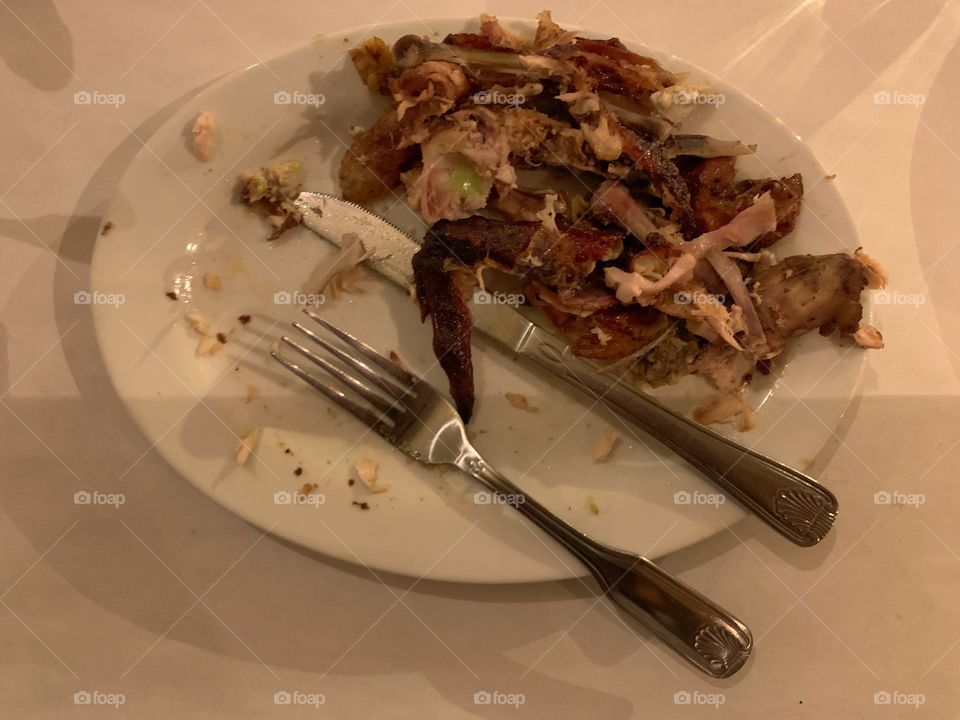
<point>615,69</point>
<point>440,299</point>
<point>665,176</point>
<point>472,41</point>
<point>522,248</point>
<point>626,328</point>
<point>716,198</point>
<point>787,194</point>
<point>372,166</point>
<point>809,292</point>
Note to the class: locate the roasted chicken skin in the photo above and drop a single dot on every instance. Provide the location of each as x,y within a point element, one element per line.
<point>809,292</point>
<point>664,240</point>
<point>444,272</point>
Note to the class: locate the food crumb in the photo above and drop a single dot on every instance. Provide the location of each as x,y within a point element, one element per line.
<point>288,451</point>
<point>252,392</point>
<point>107,227</point>
<point>208,346</point>
<point>520,402</point>
<point>298,472</point>
<point>246,444</point>
<point>602,336</point>
<point>592,506</point>
<point>604,445</point>
<point>367,471</point>
<point>351,482</point>
<point>212,281</point>
<point>171,294</point>
<point>204,136</point>
<point>244,319</point>
<point>361,505</point>
<point>308,488</point>
<point>197,322</point>
<point>829,177</point>
<point>221,338</point>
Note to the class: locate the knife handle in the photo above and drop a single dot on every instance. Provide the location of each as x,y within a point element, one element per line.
<point>796,506</point>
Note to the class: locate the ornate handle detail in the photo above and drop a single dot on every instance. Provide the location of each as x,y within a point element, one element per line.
<point>721,649</point>
<point>809,513</point>
<point>796,506</point>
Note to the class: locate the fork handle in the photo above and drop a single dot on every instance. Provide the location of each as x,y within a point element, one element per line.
<point>701,631</point>
<point>796,506</point>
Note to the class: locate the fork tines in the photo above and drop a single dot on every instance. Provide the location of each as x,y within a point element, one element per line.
<point>359,359</point>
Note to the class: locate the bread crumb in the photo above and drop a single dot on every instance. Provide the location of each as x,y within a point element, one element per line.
<point>592,506</point>
<point>867,336</point>
<point>520,402</point>
<point>252,392</point>
<point>361,505</point>
<point>308,488</point>
<point>298,472</point>
<point>244,319</point>
<point>212,281</point>
<point>246,444</point>
<point>197,322</point>
<point>171,294</point>
<point>107,227</point>
<point>604,445</point>
<point>208,345</point>
<point>204,136</point>
<point>367,471</point>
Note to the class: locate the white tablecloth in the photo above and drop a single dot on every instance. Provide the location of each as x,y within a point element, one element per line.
<point>182,610</point>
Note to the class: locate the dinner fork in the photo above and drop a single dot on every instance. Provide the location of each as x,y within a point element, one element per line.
<point>408,413</point>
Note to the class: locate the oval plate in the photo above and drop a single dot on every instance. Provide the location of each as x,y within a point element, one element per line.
<point>176,218</point>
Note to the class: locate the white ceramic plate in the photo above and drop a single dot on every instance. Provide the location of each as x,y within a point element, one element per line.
<point>175,218</point>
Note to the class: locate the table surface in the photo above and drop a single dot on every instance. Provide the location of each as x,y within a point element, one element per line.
<point>184,610</point>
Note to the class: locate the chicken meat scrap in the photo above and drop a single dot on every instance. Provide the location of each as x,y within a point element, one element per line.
<point>662,270</point>
<point>445,269</point>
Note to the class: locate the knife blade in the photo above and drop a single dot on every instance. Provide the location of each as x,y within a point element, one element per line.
<point>796,506</point>
<point>391,253</point>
